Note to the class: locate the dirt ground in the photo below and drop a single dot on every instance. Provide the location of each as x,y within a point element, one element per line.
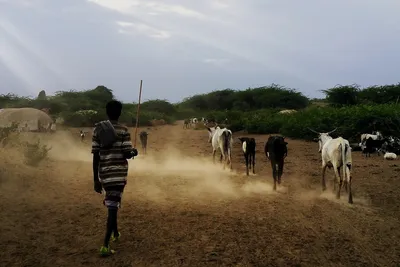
<point>181,210</point>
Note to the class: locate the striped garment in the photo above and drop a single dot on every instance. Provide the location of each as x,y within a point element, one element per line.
<point>113,167</point>
<point>112,199</point>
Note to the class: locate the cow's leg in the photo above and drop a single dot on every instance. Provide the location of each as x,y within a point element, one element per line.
<point>246,157</point>
<point>230,159</point>
<point>214,151</point>
<point>249,161</point>
<point>222,158</point>
<point>274,172</point>
<point>337,181</point>
<point>323,177</point>
<point>280,170</point>
<point>345,184</point>
<point>340,182</point>
<point>254,162</point>
<point>350,193</point>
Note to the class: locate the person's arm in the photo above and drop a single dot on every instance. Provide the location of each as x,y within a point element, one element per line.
<point>96,161</point>
<point>126,146</point>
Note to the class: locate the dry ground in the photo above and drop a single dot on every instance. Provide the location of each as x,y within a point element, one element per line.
<point>181,210</point>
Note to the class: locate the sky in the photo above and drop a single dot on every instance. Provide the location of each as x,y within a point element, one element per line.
<point>180,48</point>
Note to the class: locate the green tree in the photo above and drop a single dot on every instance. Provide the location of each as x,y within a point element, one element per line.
<point>42,95</point>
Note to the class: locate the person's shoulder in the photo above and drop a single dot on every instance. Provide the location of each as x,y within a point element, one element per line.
<point>120,127</point>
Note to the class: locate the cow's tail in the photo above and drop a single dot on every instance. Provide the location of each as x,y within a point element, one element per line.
<point>344,162</point>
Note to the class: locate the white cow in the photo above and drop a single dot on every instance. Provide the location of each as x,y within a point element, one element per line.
<point>204,120</point>
<point>193,121</point>
<point>222,139</point>
<point>390,156</point>
<point>336,153</point>
<point>82,134</point>
<point>375,136</point>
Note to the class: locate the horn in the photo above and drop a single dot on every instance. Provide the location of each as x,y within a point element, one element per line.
<point>332,131</point>
<point>312,130</point>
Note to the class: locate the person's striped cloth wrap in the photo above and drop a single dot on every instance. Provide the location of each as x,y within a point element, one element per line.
<point>113,166</point>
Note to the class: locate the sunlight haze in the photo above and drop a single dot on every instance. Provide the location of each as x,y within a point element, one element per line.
<point>181,48</point>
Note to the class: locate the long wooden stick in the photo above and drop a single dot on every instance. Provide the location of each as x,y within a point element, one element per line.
<point>137,112</point>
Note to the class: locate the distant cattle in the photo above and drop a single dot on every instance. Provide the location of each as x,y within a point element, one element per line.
<point>204,120</point>
<point>370,146</point>
<point>276,151</point>
<point>194,121</point>
<point>82,135</point>
<point>221,139</point>
<point>186,124</point>
<point>391,144</point>
<point>390,156</point>
<point>375,136</point>
<point>336,153</point>
<point>143,140</point>
<point>249,152</point>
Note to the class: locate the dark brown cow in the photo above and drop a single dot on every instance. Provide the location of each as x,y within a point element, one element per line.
<point>276,151</point>
<point>249,152</point>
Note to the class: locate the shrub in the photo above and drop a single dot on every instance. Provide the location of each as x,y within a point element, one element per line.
<point>350,121</point>
<point>6,132</point>
<point>35,153</point>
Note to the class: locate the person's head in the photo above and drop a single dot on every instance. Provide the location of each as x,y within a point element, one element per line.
<point>113,109</point>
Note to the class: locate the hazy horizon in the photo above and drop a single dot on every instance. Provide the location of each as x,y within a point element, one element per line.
<point>182,48</point>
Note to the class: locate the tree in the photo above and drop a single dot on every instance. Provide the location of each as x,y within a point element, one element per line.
<point>342,95</point>
<point>42,95</point>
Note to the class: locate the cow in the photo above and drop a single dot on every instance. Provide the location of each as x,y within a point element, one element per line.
<point>193,121</point>
<point>370,146</point>
<point>82,134</point>
<point>391,144</point>
<point>249,152</point>
<point>276,151</point>
<point>143,140</point>
<point>390,156</point>
<point>186,124</point>
<point>222,139</point>
<point>375,136</point>
<point>336,153</point>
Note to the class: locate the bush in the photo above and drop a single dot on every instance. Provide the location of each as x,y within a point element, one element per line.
<point>35,153</point>
<point>6,132</point>
<point>350,121</point>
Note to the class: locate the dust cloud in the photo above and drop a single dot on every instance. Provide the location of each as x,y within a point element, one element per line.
<point>160,177</point>
<point>171,174</point>
<point>67,148</point>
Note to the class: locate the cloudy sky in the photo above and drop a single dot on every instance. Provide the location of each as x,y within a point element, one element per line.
<point>183,47</point>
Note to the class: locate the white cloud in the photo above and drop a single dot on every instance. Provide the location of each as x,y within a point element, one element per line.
<point>216,61</point>
<point>133,28</point>
<point>136,7</point>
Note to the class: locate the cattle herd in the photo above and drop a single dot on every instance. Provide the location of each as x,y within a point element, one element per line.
<point>335,152</point>
<point>389,146</point>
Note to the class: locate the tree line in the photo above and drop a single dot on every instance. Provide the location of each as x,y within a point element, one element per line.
<point>350,108</point>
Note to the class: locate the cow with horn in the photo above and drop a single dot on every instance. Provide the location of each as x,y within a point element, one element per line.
<point>336,153</point>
